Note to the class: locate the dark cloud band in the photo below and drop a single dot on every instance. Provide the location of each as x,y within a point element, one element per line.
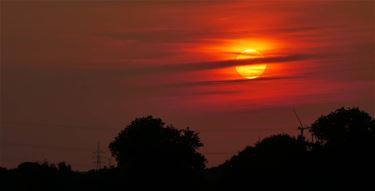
<point>225,63</point>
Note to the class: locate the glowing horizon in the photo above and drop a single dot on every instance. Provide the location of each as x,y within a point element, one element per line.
<point>97,65</point>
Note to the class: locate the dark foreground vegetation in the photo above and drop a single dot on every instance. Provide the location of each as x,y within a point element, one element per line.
<point>153,155</point>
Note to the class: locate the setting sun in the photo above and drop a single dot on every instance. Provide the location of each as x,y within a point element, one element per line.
<point>250,71</point>
<point>205,94</point>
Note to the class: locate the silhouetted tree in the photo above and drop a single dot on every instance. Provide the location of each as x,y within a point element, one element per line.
<point>149,148</point>
<point>274,151</point>
<point>345,146</point>
<point>280,146</point>
<point>268,163</point>
<point>150,153</point>
<point>40,176</point>
<point>345,127</point>
<point>62,166</point>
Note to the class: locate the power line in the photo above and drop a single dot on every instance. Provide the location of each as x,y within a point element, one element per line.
<point>45,147</point>
<point>59,126</point>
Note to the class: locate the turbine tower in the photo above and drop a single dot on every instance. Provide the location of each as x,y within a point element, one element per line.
<point>301,128</point>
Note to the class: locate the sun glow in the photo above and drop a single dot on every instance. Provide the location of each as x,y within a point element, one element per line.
<point>250,71</point>
<point>240,48</point>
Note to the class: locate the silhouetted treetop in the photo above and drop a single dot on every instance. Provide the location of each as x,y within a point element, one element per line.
<point>153,155</point>
<point>344,126</point>
<point>147,143</point>
<point>273,151</point>
<point>281,144</point>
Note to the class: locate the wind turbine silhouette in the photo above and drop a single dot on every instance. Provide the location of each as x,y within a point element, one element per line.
<point>301,128</point>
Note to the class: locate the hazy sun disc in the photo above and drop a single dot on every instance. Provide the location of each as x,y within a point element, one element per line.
<point>250,71</point>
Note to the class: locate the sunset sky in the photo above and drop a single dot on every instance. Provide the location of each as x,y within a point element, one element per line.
<point>75,73</point>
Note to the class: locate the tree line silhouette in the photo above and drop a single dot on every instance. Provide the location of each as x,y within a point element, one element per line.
<point>150,154</point>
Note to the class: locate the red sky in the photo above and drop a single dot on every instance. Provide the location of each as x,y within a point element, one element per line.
<point>74,73</point>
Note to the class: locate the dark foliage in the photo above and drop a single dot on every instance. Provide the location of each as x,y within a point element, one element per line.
<point>148,151</point>
<point>148,144</point>
<point>153,155</point>
<point>342,156</point>
<point>345,128</point>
